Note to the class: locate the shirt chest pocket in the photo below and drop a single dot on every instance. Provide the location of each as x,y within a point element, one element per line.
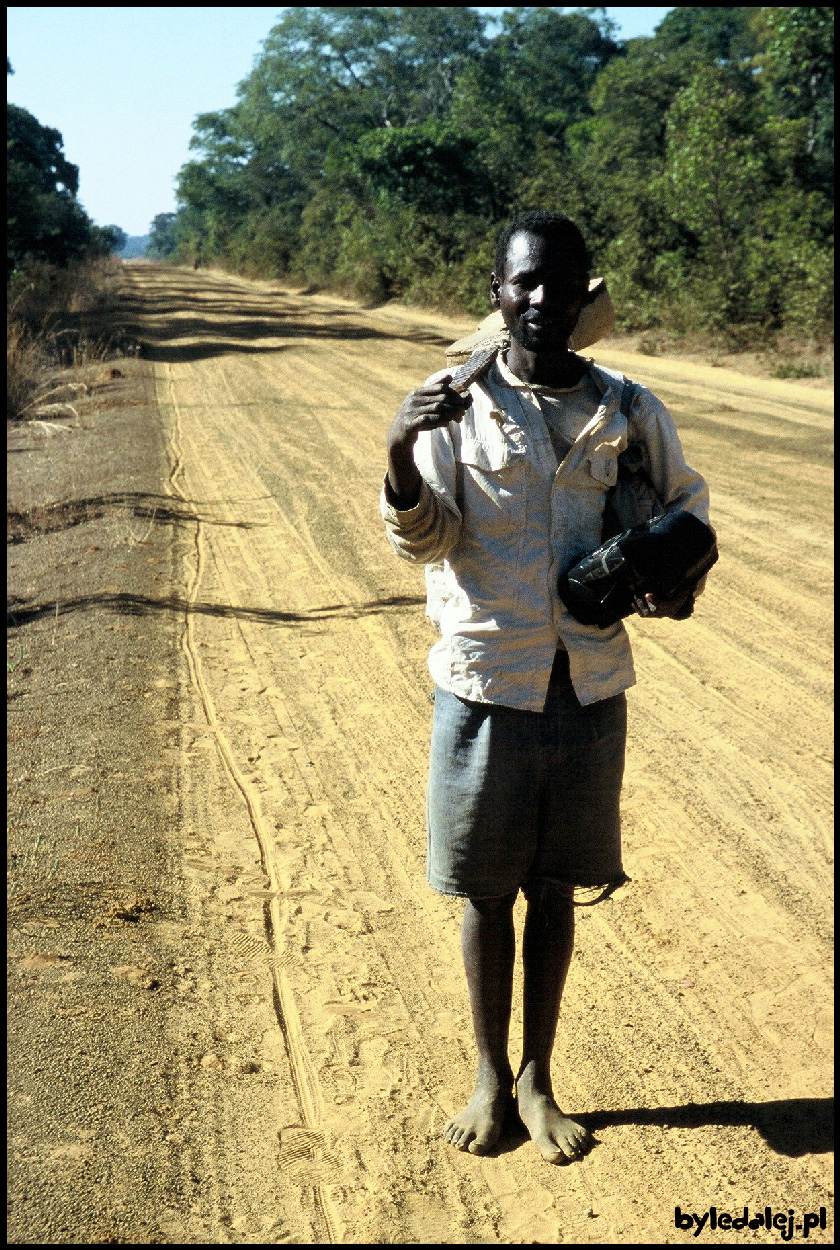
<point>491,476</point>
<point>602,466</point>
<point>489,449</point>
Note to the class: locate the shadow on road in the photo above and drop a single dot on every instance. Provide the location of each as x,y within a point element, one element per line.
<point>180,353</point>
<point>235,319</point>
<point>792,1126</point>
<point>19,612</point>
<point>163,509</point>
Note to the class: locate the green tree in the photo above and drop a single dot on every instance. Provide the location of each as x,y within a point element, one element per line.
<point>713,36</point>
<point>796,62</point>
<point>528,90</point>
<point>162,240</point>
<point>342,110</point>
<point>330,74</point>
<point>613,178</point>
<point>240,200</point>
<point>378,149</point>
<point>45,220</point>
<point>113,238</point>
<point>715,176</point>
<point>428,165</point>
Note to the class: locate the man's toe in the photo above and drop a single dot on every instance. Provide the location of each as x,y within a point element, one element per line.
<point>550,1150</point>
<point>479,1146</point>
<point>575,1147</point>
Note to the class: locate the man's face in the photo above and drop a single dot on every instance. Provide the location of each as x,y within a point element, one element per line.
<point>540,293</point>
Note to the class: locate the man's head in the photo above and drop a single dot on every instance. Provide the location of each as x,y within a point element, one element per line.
<point>541,279</point>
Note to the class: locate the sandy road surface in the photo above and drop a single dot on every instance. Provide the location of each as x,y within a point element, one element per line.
<point>695,1029</point>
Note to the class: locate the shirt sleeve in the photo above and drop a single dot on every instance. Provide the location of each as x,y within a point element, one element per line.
<point>427,532</point>
<point>677,485</point>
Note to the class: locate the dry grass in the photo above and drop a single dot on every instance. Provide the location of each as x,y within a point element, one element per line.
<point>24,363</point>
<point>54,319</point>
<point>782,357</point>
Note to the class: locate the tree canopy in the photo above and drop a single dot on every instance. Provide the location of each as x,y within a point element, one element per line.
<point>380,149</point>
<point>45,220</point>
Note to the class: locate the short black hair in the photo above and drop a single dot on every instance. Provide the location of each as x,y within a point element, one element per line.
<point>547,224</point>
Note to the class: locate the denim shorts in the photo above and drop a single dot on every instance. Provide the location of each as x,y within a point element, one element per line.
<point>522,799</point>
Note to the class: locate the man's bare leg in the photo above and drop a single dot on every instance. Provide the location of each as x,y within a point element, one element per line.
<point>488,946</point>
<point>547,944</point>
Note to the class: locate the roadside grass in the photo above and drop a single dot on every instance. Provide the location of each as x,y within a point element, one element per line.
<point>797,360</point>
<point>24,366</point>
<point>797,369</point>
<point>58,319</point>
<point>772,356</point>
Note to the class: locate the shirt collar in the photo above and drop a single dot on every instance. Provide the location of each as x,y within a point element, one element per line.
<point>510,379</point>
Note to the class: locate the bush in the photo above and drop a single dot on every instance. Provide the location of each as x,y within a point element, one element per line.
<point>24,362</point>
<point>39,294</point>
<point>793,369</point>
<point>45,310</point>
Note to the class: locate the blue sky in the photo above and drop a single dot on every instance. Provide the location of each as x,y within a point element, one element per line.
<point>123,87</point>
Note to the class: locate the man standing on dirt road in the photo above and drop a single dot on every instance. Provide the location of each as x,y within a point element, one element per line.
<point>496,491</point>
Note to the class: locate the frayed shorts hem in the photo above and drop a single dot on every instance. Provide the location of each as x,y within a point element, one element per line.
<point>531,886</point>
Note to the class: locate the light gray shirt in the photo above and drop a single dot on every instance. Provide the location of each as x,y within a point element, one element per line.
<point>502,511</point>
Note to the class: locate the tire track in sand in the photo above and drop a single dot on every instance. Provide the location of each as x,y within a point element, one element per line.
<point>288,1019</point>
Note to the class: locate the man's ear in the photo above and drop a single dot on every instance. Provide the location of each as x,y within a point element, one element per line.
<point>494,291</point>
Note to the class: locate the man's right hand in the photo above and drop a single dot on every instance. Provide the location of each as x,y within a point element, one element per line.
<point>425,408</point>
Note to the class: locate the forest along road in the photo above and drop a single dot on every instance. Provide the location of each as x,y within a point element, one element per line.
<point>695,1036</point>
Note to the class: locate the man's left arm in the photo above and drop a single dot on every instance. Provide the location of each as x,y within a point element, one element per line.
<point>679,487</point>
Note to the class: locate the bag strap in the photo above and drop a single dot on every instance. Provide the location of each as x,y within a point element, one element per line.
<point>617,378</point>
<point>628,390</point>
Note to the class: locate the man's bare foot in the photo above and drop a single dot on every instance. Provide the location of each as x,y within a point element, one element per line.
<point>557,1138</point>
<point>479,1126</point>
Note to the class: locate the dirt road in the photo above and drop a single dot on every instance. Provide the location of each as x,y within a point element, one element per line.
<point>694,1035</point>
